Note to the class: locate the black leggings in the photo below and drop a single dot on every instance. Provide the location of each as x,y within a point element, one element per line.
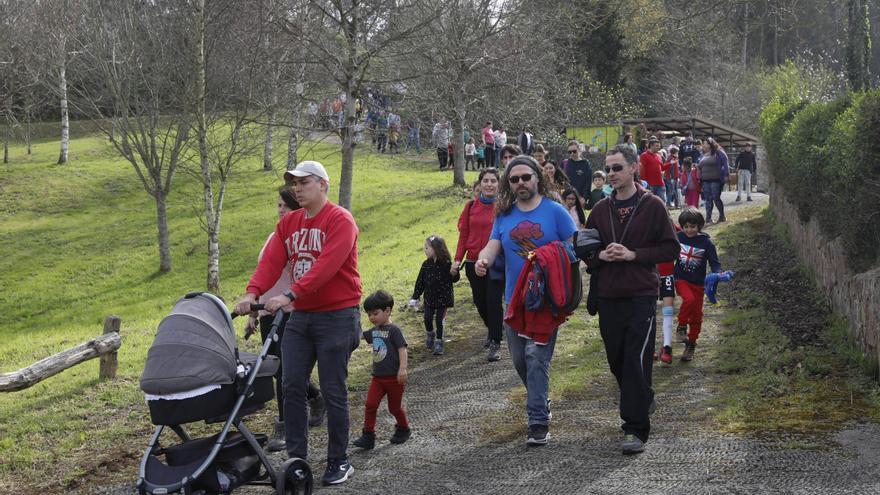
<point>490,155</point>
<point>494,310</point>
<point>435,314</point>
<point>275,350</point>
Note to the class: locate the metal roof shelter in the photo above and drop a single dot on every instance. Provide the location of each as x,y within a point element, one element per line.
<point>699,127</point>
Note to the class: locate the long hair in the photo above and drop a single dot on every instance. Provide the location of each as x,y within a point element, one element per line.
<point>506,198</point>
<point>440,250</point>
<point>286,193</point>
<point>582,218</point>
<point>560,178</point>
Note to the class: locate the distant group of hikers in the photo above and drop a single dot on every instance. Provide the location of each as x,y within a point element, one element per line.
<point>520,238</point>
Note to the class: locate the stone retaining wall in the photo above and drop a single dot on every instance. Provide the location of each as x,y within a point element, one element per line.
<point>854,296</point>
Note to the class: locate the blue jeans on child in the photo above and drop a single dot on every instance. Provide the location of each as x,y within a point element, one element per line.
<point>532,363</point>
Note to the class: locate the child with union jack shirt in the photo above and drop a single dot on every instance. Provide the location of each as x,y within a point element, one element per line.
<point>697,250</point>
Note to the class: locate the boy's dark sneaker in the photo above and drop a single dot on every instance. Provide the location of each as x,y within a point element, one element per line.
<point>682,332</point>
<point>632,445</point>
<point>277,443</point>
<point>666,354</point>
<point>494,352</point>
<point>401,434</point>
<point>317,408</point>
<point>438,347</point>
<point>338,471</point>
<point>749,198</point>
<point>688,353</point>
<point>429,340</point>
<point>738,199</point>
<point>538,435</point>
<point>367,441</point>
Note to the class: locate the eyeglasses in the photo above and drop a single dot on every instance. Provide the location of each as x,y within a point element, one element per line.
<point>616,168</point>
<point>572,151</point>
<point>514,179</point>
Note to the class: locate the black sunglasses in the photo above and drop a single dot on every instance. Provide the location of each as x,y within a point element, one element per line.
<point>572,151</point>
<point>514,179</point>
<point>616,168</point>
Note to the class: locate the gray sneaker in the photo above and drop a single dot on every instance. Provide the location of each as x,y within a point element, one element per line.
<point>494,352</point>
<point>277,443</point>
<point>632,445</point>
<point>438,347</point>
<point>429,340</point>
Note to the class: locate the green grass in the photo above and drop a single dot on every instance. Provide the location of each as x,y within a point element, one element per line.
<point>770,385</point>
<point>79,243</point>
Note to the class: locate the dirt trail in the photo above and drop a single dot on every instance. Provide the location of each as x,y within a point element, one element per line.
<point>469,437</point>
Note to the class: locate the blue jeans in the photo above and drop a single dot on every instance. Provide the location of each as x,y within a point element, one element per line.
<point>712,196</point>
<point>672,192</point>
<point>532,363</point>
<point>659,191</point>
<point>327,338</point>
<point>413,139</point>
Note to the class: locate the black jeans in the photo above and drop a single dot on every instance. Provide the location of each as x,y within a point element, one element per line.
<point>479,286</point>
<point>434,314</point>
<point>490,155</point>
<point>442,157</point>
<point>628,327</point>
<point>275,350</point>
<point>327,338</point>
<point>494,309</point>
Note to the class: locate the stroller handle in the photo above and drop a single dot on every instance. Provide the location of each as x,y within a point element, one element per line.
<point>254,307</point>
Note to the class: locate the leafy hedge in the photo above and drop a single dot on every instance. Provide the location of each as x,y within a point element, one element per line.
<point>826,155</point>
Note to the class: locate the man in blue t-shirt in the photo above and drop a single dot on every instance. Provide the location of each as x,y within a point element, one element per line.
<point>526,220</point>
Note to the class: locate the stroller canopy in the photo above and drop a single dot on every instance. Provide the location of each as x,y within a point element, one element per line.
<point>194,348</point>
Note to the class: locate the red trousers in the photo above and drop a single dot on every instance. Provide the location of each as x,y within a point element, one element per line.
<point>379,387</point>
<point>691,311</point>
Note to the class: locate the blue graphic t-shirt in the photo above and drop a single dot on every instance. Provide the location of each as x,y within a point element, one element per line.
<point>386,341</point>
<point>521,232</point>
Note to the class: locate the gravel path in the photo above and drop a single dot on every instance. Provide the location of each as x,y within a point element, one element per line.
<point>469,437</point>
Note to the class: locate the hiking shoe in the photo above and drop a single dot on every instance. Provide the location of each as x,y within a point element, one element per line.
<point>494,352</point>
<point>632,445</point>
<point>682,332</point>
<point>338,471</point>
<point>749,198</point>
<point>722,219</point>
<point>538,435</point>
<point>429,340</point>
<point>688,353</point>
<point>438,347</point>
<point>401,435</point>
<point>317,408</point>
<point>666,354</point>
<point>277,443</point>
<point>367,441</point>
<point>738,199</point>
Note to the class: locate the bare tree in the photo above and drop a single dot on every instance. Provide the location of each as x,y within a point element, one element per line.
<point>348,39</point>
<point>135,88</point>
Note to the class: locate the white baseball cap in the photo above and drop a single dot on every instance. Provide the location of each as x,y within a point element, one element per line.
<point>307,168</point>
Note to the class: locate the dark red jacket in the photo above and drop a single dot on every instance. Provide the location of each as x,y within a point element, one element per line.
<point>540,325</point>
<point>651,169</point>
<point>474,228</point>
<point>650,235</point>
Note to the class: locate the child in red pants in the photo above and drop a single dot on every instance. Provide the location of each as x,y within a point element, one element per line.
<point>389,370</point>
<point>697,250</point>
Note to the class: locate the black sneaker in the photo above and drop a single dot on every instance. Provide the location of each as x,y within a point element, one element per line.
<point>338,471</point>
<point>401,434</point>
<point>429,340</point>
<point>277,443</point>
<point>632,445</point>
<point>367,441</point>
<point>749,198</point>
<point>438,347</point>
<point>317,408</point>
<point>538,435</point>
<point>494,352</point>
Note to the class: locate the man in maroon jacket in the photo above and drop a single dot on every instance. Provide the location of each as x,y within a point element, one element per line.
<point>319,242</point>
<point>636,234</point>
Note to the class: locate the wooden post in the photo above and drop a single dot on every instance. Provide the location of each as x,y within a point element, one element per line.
<point>109,363</point>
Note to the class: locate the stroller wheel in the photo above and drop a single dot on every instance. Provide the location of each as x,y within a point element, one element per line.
<point>294,478</point>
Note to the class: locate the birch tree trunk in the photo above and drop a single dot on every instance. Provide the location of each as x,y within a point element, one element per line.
<point>293,137</point>
<point>350,68</point>
<point>458,171</point>
<point>267,147</point>
<point>162,224</point>
<point>65,122</point>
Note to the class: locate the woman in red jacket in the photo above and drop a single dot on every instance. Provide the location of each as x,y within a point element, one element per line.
<point>474,227</point>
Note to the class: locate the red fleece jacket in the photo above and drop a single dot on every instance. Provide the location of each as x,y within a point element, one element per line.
<point>474,228</point>
<point>651,169</point>
<point>540,325</point>
<point>322,252</point>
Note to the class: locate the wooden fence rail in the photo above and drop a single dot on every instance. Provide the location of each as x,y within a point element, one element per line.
<point>104,346</point>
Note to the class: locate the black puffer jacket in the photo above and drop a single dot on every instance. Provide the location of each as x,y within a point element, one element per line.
<point>435,282</point>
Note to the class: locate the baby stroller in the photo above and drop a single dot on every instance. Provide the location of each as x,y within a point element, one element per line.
<point>195,372</point>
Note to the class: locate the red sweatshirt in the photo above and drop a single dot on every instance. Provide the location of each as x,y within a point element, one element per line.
<point>651,168</point>
<point>322,252</point>
<point>474,228</point>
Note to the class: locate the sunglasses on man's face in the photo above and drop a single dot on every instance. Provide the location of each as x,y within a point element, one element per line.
<point>514,179</point>
<point>616,168</point>
<point>572,151</point>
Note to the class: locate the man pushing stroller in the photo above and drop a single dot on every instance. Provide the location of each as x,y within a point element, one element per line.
<point>319,243</point>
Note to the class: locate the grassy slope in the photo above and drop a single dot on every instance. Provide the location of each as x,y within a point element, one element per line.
<point>79,244</point>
